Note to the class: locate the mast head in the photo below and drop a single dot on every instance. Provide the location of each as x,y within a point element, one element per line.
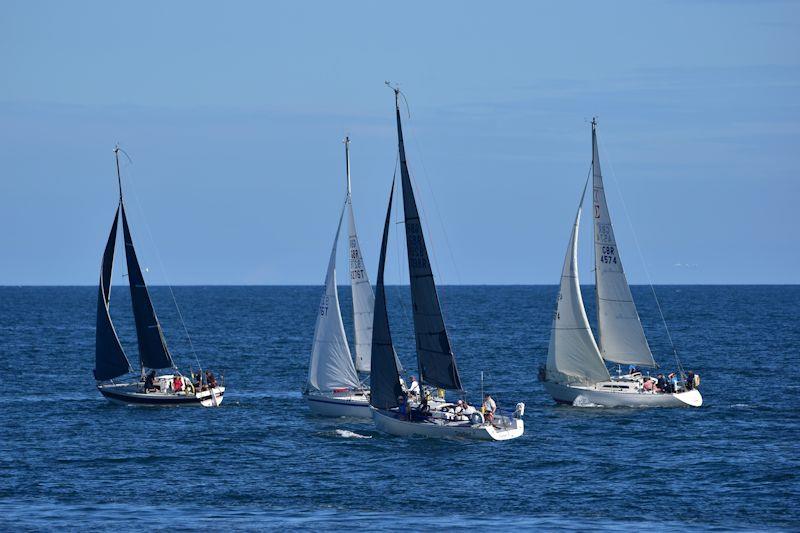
<point>594,123</point>
<point>396,90</point>
<point>119,177</point>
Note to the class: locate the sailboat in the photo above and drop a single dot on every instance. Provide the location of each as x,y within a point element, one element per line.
<point>335,386</point>
<point>576,371</point>
<point>111,362</point>
<point>391,410</point>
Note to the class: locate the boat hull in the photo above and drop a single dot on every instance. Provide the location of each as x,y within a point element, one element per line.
<point>388,423</point>
<point>590,396</point>
<point>128,395</point>
<point>334,405</point>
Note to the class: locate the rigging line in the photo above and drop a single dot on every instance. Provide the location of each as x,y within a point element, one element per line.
<point>644,264</point>
<point>164,270</point>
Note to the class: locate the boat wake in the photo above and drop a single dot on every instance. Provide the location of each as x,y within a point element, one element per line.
<point>582,401</point>
<point>344,433</point>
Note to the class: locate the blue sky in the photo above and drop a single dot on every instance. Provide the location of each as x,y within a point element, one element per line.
<point>234,113</point>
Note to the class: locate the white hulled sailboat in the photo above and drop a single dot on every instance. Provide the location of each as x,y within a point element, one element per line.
<point>333,387</point>
<point>576,363</point>
<point>110,359</point>
<point>392,411</point>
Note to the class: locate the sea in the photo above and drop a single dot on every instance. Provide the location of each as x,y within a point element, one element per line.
<point>70,459</point>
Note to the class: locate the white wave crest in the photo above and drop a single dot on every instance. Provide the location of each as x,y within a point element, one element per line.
<point>351,435</point>
<point>582,401</point>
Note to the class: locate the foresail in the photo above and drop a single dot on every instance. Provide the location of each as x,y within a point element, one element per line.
<point>331,365</point>
<point>620,332</point>
<point>363,297</point>
<point>573,356</point>
<point>153,351</point>
<point>110,360</point>
<point>384,380</point>
<point>436,360</point>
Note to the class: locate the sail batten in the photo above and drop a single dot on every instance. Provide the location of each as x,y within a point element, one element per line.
<point>331,364</point>
<point>621,337</point>
<point>437,365</point>
<point>385,378</point>
<point>110,358</point>
<point>153,351</point>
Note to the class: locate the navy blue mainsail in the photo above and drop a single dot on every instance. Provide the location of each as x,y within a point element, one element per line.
<point>109,357</point>
<point>153,352</point>
<point>384,379</point>
<point>437,365</point>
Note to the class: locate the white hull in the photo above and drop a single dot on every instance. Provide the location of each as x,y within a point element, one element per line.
<point>352,404</point>
<point>441,429</point>
<point>592,396</point>
<point>131,394</point>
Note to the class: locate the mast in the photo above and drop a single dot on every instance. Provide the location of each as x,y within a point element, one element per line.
<point>347,163</point>
<point>119,177</point>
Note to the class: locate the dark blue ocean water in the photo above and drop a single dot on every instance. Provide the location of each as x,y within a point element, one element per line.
<point>68,458</point>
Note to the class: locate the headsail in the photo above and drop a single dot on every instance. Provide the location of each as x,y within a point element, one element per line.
<point>363,297</point>
<point>153,351</point>
<point>109,358</point>
<point>620,331</point>
<point>437,364</point>
<point>331,364</point>
<point>384,380</point>
<point>573,356</point>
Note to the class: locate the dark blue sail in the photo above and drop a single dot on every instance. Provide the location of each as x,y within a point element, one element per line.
<point>437,365</point>
<point>109,357</point>
<point>384,379</point>
<point>153,352</point>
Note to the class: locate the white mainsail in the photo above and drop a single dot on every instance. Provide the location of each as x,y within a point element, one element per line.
<point>363,297</point>
<point>331,364</point>
<point>573,356</point>
<point>620,333</point>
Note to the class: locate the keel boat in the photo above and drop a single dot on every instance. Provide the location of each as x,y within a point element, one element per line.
<point>336,380</point>
<point>111,362</point>
<point>391,410</point>
<point>576,371</point>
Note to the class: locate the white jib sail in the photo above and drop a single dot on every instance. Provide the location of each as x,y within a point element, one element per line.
<point>620,331</point>
<point>363,297</point>
<point>573,356</point>
<point>331,364</point>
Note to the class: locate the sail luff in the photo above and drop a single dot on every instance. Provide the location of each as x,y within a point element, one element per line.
<point>620,334</point>
<point>331,364</point>
<point>573,356</point>
<point>110,358</point>
<point>153,351</point>
<point>385,378</point>
<point>437,365</point>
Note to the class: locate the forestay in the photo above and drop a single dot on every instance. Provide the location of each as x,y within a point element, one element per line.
<point>110,359</point>
<point>384,380</point>
<point>436,361</point>
<point>153,351</point>
<point>620,332</point>
<point>331,364</point>
<point>573,356</point>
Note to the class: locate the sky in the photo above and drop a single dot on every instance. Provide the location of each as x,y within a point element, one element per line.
<point>233,115</point>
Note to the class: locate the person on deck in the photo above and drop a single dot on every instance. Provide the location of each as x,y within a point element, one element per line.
<point>648,385</point>
<point>413,389</point>
<point>402,407</point>
<point>673,382</point>
<point>489,408</point>
<point>177,383</point>
<point>689,380</point>
<point>661,383</point>
<point>210,379</point>
<point>149,381</point>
